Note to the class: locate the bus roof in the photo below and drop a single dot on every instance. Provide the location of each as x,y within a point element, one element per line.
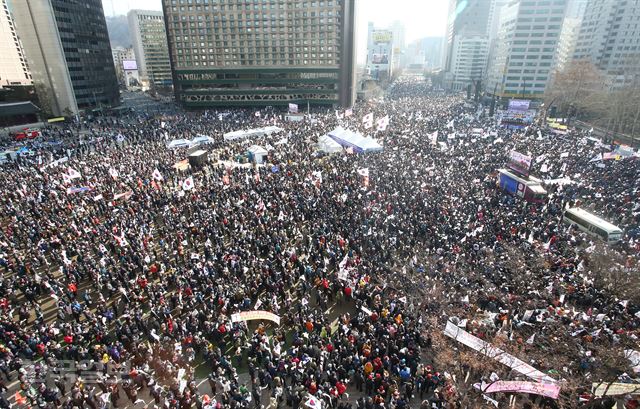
<point>595,220</point>
<point>538,189</point>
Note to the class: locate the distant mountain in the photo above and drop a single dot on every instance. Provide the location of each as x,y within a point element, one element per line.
<point>119,35</point>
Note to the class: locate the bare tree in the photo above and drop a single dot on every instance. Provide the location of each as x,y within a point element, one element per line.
<point>610,272</point>
<point>577,89</point>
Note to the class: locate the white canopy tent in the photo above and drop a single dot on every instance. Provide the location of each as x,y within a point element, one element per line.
<point>328,145</point>
<point>179,143</point>
<point>252,133</point>
<point>202,139</point>
<point>258,154</point>
<point>350,139</point>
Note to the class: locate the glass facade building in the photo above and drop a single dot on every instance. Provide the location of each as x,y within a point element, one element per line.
<point>67,47</point>
<point>150,47</point>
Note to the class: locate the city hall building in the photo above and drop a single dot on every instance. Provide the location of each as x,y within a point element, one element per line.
<point>261,52</point>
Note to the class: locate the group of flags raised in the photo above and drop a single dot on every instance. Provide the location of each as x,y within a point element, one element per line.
<point>381,123</point>
<point>368,120</point>
<point>71,174</point>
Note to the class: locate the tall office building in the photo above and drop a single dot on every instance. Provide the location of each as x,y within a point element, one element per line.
<point>253,52</point>
<point>467,47</point>
<point>526,53</point>
<point>570,32</point>
<point>567,42</point>
<point>150,46</point>
<point>67,47</point>
<point>13,65</point>
<point>425,51</point>
<point>399,44</point>
<point>576,8</point>
<point>495,8</point>
<point>493,24</point>
<point>432,48</point>
<point>468,62</point>
<point>125,58</point>
<point>466,17</point>
<point>610,38</point>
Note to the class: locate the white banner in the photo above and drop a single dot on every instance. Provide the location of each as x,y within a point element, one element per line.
<point>460,335</point>
<point>255,315</point>
<point>614,389</point>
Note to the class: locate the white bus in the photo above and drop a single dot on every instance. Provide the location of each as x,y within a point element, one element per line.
<point>592,224</point>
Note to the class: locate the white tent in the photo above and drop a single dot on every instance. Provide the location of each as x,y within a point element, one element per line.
<point>270,130</point>
<point>201,139</point>
<point>328,145</point>
<point>251,133</point>
<point>258,153</point>
<point>179,143</point>
<point>350,139</point>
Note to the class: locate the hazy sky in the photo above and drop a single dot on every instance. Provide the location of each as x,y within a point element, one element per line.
<point>422,18</point>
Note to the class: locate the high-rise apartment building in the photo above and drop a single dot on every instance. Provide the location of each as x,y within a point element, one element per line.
<point>610,38</point>
<point>67,47</point>
<point>254,52</point>
<point>467,46</point>
<point>527,45</point>
<point>13,65</point>
<point>150,46</point>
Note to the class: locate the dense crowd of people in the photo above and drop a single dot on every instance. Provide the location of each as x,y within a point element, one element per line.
<point>119,277</point>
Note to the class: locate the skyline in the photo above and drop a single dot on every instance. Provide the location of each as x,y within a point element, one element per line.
<point>421,18</point>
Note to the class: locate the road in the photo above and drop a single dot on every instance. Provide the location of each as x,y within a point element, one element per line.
<point>143,103</point>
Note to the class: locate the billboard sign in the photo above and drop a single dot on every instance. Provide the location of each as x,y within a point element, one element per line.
<point>129,65</point>
<point>519,105</point>
<point>382,36</point>
<point>380,58</point>
<point>519,163</point>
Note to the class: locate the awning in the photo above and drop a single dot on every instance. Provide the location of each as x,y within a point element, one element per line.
<point>17,108</point>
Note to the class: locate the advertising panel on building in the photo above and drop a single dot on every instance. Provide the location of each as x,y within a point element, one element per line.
<point>380,54</point>
<point>382,36</point>
<point>129,65</point>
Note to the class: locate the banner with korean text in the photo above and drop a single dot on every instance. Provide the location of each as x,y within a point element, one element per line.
<point>460,335</point>
<point>255,315</point>
<point>550,390</point>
